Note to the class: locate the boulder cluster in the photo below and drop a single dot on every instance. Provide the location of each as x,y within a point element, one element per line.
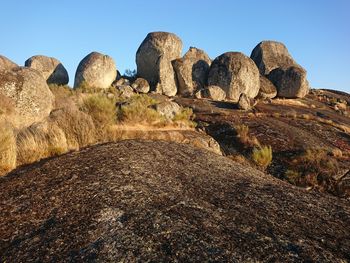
<point>270,71</point>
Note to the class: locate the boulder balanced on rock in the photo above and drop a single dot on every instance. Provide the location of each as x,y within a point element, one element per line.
<point>96,71</point>
<point>30,94</point>
<point>192,71</point>
<point>52,69</point>
<point>289,77</point>
<point>153,59</point>
<point>235,73</point>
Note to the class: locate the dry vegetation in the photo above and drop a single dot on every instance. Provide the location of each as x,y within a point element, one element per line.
<point>81,117</point>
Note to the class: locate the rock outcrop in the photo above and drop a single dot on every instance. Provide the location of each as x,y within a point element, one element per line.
<point>30,94</point>
<point>96,71</point>
<point>269,55</point>
<point>290,81</point>
<point>235,73</point>
<point>192,71</point>
<point>267,89</point>
<point>140,201</point>
<point>154,61</point>
<point>214,93</point>
<point>51,69</point>
<point>7,64</point>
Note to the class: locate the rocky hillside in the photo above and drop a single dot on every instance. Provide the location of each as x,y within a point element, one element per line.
<point>158,201</point>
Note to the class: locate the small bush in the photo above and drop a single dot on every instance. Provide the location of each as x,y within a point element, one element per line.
<point>316,168</point>
<point>242,131</point>
<point>7,148</point>
<point>262,156</point>
<point>292,176</point>
<point>101,109</point>
<point>185,117</point>
<point>63,95</point>
<point>138,110</point>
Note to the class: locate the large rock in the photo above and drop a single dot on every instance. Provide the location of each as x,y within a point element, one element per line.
<point>156,201</point>
<point>244,102</point>
<point>96,71</point>
<point>153,59</point>
<point>214,93</point>
<point>6,64</point>
<point>192,71</point>
<point>141,85</point>
<point>269,55</point>
<point>291,82</point>
<point>235,73</point>
<point>28,90</point>
<point>51,69</point>
<point>168,109</point>
<point>267,89</point>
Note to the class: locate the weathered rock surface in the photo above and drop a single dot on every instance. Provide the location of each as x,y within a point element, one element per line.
<point>7,64</point>
<point>141,85</point>
<point>159,201</point>
<point>267,89</point>
<point>192,71</point>
<point>214,93</point>
<point>96,70</point>
<point>126,91</point>
<point>52,69</point>
<point>153,59</point>
<point>30,94</point>
<point>291,82</point>
<point>168,109</point>
<point>269,55</point>
<point>244,102</point>
<point>235,73</point>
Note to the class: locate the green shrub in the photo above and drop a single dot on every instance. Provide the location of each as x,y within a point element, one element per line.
<point>101,109</point>
<point>262,156</point>
<point>185,117</point>
<point>138,110</point>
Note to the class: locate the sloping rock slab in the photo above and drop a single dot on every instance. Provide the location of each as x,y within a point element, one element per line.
<point>136,201</point>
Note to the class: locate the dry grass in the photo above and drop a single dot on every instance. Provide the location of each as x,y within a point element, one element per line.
<point>77,126</point>
<point>7,148</point>
<point>40,141</point>
<point>262,156</point>
<point>289,102</point>
<point>243,136</point>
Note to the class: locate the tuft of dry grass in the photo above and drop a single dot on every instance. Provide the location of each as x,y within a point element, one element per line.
<point>243,136</point>
<point>7,148</point>
<point>38,141</point>
<point>77,126</point>
<point>262,156</point>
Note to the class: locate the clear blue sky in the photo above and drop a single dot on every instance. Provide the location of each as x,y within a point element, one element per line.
<point>317,33</point>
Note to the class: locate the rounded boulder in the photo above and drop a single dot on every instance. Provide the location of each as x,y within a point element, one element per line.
<point>96,70</point>
<point>192,71</point>
<point>50,68</point>
<point>269,55</point>
<point>30,94</point>
<point>154,61</point>
<point>7,64</point>
<point>235,73</point>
